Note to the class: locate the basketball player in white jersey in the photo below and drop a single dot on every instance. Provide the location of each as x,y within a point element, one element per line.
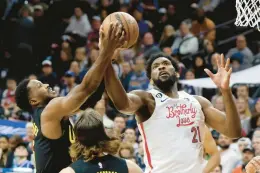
<point>171,122</point>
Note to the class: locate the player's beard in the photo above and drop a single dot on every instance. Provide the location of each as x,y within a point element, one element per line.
<point>166,85</point>
<point>224,147</point>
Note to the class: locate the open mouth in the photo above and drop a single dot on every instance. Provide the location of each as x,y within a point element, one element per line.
<point>163,74</point>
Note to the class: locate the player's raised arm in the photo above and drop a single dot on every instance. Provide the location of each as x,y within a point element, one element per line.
<point>125,103</point>
<point>211,149</point>
<point>64,106</point>
<point>226,123</point>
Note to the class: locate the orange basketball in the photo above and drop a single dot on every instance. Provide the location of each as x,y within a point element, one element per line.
<point>129,24</point>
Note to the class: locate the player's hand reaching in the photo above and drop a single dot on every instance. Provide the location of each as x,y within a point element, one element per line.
<point>254,165</point>
<point>113,39</point>
<point>222,77</point>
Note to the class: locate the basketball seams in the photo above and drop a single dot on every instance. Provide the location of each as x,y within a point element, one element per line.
<point>128,30</point>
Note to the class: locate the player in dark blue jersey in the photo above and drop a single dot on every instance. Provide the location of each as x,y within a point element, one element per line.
<point>94,149</point>
<point>50,113</point>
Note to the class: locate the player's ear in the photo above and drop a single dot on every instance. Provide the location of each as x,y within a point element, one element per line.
<point>33,102</point>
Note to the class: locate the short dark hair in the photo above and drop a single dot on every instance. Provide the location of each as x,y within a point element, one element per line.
<point>4,136</point>
<point>158,55</point>
<point>22,94</point>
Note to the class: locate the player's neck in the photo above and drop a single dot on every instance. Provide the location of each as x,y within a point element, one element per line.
<point>172,93</point>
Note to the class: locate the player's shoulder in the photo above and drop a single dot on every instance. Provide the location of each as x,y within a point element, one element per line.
<point>133,167</point>
<point>140,93</point>
<point>202,100</point>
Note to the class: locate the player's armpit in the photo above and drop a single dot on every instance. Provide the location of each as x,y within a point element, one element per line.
<point>133,167</point>
<point>227,125</point>
<point>135,101</point>
<point>67,170</point>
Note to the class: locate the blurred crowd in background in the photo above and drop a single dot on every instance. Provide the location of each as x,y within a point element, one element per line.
<point>56,42</point>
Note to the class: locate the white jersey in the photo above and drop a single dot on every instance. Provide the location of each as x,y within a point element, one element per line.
<point>173,135</point>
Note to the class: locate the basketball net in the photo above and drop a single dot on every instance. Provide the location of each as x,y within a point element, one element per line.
<point>248,13</point>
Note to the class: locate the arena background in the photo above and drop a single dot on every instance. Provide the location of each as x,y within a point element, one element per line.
<point>41,39</point>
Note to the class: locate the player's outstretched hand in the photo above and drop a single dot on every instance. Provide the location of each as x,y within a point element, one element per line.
<point>113,39</point>
<point>254,165</point>
<point>222,77</point>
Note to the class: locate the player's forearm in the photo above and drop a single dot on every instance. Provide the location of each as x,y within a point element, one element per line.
<point>115,90</point>
<point>95,75</point>
<point>232,125</point>
<point>213,162</point>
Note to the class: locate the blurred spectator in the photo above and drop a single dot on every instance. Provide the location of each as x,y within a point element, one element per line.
<point>214,64</point>
<point>182,68</point>
<point>140,155</point>
<point>29,133</point>
<point>124,7</point>
<point>119,123</point>
<point>256,59</point>
<point>139,79</point>
<point>63,63</point>
<point>130,137</point>
<point>149,46</point>
<point>126,151</point>
<point>167,37</point>
<point>79,23</point>
<point>247,155</point>
<point>94,53</point>
<point>229,157</point>
<point>74,67</point>
<point>127,74</point>
<point>203,27</point>
<point>24,33</point>
<point>32,77</point>
<point>159,25</point>
<point>95,24</point>
<point>186,43</point>
<point>244,113</point>
<point>4,149</point>
<point>243,143</point>
<point>69,83</point>
<point>236,61</point>
<point>189,75</point>
<point>218,169</point>
<point>81,57</point>
<point>14,141</point>
<point>257,107</point>
<point>243,91</point>
<point>143,26</point>
<point>150,9</point>
<point>48,76</point>
<point>241,46</point>
<point>256,145</point>
<point>219,104</point>
<point>173,17</point>
<point>199,66</point>
<point>20,157</point>
<point>8,100</point>
<point>209,51</point>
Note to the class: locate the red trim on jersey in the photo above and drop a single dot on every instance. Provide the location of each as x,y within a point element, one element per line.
<point>146,147</point>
